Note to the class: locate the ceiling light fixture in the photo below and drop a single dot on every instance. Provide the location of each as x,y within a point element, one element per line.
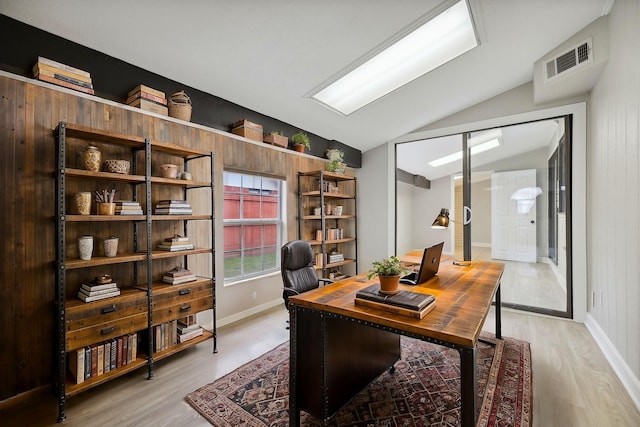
<point>425,45</point>
<point>493,143</point>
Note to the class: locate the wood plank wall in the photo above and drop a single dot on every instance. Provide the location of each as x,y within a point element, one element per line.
<point>28,114</point>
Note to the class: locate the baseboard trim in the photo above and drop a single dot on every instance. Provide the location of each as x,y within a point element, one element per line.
<point>250,312</point>
<point>630,382</point>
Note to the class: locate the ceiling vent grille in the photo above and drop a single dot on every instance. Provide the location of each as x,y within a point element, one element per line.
<point>577,56</point>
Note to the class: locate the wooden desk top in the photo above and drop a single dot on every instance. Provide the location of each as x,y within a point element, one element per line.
<point>463,298</point>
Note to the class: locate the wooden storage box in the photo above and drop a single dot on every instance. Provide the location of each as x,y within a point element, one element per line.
<point>279,140</point>
<point>247,129</point>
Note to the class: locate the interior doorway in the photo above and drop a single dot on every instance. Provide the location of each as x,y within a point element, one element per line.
<point>517,201</point>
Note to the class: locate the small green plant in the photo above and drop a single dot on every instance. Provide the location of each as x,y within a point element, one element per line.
<point>387,267</point>
<point>301,139</point>
<point>277,132</point>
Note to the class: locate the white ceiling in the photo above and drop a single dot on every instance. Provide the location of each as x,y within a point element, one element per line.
<point>266,55</point>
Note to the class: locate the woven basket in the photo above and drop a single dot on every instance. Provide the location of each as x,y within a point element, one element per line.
<point>180,106</point>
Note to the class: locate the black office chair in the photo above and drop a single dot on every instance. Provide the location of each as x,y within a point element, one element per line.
<point>296,266</point>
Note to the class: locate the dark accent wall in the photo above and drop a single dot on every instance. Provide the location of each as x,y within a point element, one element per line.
<point>113,79</point>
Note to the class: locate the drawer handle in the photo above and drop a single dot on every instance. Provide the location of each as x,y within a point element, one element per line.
<point>185,308</point>
<point>108,309</point>
<point>184,291</point>
<point>108,330</point>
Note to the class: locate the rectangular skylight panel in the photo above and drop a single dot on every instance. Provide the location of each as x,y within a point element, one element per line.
<point>439,40</point>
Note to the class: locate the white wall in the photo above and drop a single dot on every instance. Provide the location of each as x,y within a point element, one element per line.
<point>613,184</point>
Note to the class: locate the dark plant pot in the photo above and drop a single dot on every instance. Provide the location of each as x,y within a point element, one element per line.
<point>299,148</point>
<point>389,284</point>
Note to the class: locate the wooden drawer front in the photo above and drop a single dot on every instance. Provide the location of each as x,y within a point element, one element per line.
<point>165,314</point>
<point>107,330</point>
<point>177,294</point>
<point>83,316</point>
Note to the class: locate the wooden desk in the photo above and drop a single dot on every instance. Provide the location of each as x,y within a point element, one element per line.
<point>337,348</point>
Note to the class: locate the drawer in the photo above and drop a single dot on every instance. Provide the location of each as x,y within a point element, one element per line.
<point>82,315</point>
<point>105,331</point>
<point>165,296</point>
<point>165,314</point>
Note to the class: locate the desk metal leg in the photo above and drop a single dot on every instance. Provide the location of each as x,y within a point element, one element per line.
<point>294,411</point>
<point>498,314</point>
<point>468,385</point>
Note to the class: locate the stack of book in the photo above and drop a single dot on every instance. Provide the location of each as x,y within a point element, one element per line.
<point>407,303</point>
<point>98,291</point>
<point>188,330</point>
<point>173,207</point>
<point>335,257</point>
<point>165,335</point>
<point>99,359</point>
<point>176,243</point>
<point>124,207</point>
<point>178,275</point>
<point>64,75</point>
<point>148,99</point>
<point>330,234</point>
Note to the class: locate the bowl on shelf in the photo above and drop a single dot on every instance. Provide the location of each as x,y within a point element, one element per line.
<point>169,171</point>
<point>117,166</point>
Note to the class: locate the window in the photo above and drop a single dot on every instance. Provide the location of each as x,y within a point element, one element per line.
<point>253,225</point>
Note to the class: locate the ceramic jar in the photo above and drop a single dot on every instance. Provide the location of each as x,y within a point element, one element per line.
<point>169,170</point>
<point>83,203</point>
<point>92,158</point>
<point>337,210</point>
<point>110,246</point>
<point>106,209</point>
<point>85,247</point>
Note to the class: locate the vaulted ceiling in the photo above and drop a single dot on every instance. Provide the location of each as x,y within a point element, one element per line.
<point>267,55</point>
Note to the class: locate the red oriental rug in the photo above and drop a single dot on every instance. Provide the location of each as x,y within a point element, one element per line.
<point>423,391</point>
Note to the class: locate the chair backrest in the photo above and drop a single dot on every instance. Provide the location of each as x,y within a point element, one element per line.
<point>298,274</point>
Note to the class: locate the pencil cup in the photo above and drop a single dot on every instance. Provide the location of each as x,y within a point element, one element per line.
<point>106,208</point>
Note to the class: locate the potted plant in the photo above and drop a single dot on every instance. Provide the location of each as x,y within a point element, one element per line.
<point>389,271</point>
<point>335,156</point>
<point>300,141</point>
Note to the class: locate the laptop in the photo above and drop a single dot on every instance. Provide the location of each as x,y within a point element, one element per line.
<point>428,266</point>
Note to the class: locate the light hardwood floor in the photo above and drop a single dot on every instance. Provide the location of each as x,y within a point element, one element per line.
<point>572,383</point>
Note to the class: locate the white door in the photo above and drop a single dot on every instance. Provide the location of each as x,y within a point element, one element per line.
<point>513,207</point>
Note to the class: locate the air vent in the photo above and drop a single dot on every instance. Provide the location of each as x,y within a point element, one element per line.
<point>577,56</point>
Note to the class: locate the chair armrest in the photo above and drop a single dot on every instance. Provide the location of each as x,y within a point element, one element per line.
<point>326,281</point>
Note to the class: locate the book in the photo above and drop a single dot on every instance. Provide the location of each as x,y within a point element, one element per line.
<point>94,361</point>
<point>87,298</point>
<point>119,352</point>
<point>114,354</point>
<point>190,335</point>
<point>65,84</point>
<point>178,243</point>
<point>87,363</point>
<point>174,211</point>
<point>130,212</point>
<point>175,248</point>
<point>416,314</point>
<point>128,207</point>
<point>147,89</point>
<point>148,105</point>
<point>62,75</point>
<point>179,280</point>
<point>92,287</point>
<point>100,367</point>
<point>146,95</point>
<point>93,293</point>
<point>183,329</point>
<point>107,357</point>
<point>76,364</point>
<point>405,299</point>
<point>125,350</point>
<point>178,271</point>
<point>61,66</point>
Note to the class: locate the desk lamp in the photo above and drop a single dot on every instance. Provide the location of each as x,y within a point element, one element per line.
<point>441,223</point>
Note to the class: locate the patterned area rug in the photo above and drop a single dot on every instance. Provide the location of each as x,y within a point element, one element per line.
<point>423,391</point>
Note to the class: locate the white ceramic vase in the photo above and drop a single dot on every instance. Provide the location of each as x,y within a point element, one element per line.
<point>85,247</point>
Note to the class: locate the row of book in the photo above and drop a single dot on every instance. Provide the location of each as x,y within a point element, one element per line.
<point>148,99</point>
<point>327,187</point>
<point>330,234</point>
<point>64,75</point>
<point>178,275</point>
<point>98,291</point>
<point>128,207</point>
<point>176,244</point>
<point>173,207</point>
<point>98,359</point>
<point>174,332</point>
